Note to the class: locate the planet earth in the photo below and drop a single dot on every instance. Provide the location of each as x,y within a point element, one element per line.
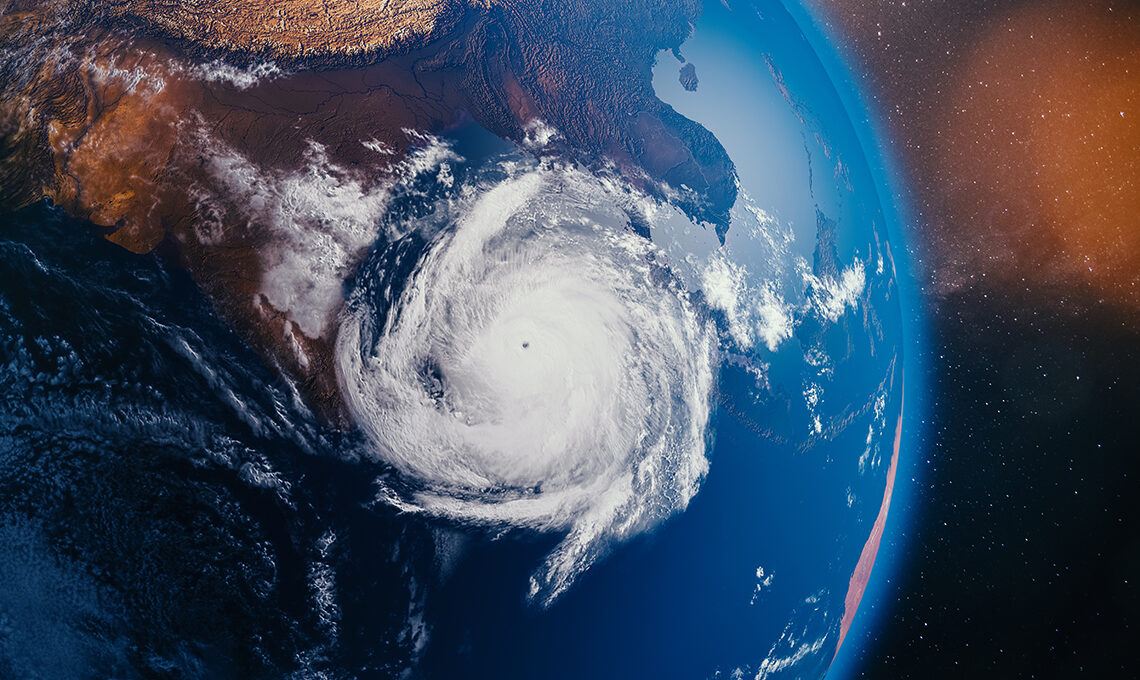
<point>436,339</point>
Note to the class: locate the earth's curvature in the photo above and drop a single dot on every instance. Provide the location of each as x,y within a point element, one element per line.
<point>436,338</point>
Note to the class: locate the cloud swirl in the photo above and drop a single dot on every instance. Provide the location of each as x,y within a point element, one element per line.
<point>539,368</point>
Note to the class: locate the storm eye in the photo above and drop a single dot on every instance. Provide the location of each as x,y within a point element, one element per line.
<point>575,439</point>
<point>431,378</point>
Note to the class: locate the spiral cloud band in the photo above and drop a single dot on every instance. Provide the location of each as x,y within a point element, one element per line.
<point>539,368</point>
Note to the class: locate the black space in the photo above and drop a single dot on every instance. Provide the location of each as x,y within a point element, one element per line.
<point>1024,559</point>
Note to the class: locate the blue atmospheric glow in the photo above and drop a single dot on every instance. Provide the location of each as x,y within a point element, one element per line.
<point>756,117</point>
<point>128,397</point>
<point>878,149</point>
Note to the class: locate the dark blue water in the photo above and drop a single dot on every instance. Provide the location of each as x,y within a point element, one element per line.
<point>163,496</point>
<point>169,508</point>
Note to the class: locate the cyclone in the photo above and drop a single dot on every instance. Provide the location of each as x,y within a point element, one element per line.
<point>538,366</point>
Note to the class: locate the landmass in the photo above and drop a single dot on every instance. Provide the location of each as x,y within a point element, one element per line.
<point>861,576</point>
<point>299,29</point>
<point>174,126</point>
<point>688,77</point>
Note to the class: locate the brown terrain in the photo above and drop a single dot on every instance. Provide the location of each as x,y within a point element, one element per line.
<point>332,29</point>
<point>861,576</point>
<point>121,113</point>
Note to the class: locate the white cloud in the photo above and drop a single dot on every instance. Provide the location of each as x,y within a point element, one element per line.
<point>322,582</point>
<point>830,297</point>
<point>776,319</point>
<point>798,641</point>
<point>320,219</point>
<point>145,75</point>
<point>752,312</point>
<point>723,283</point>
<point>241,77</point>
<point>763,582</point>
<point>379,147</point>
<point>773,664</point>
<point>538,134</point>
<point>570,375</point>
